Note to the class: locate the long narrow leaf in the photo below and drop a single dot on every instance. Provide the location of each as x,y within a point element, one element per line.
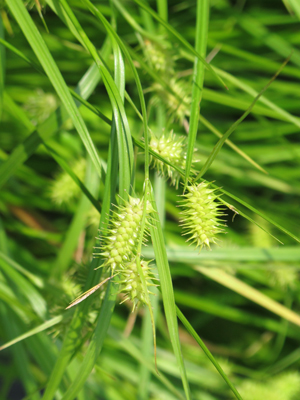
<point>202,21</point>
<point>43,54</point>
<point>175,33</point>
<point>247,291</point>
<point>192,331</point>
<point>48,128</point>
<point>220,143</point>
<point>168,296</point>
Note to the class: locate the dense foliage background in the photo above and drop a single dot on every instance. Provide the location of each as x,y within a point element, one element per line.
<point>242,297</point>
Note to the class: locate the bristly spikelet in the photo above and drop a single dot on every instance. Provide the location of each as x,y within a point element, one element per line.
<point>172,148</point>
<point>120,242</point>
<point>63,189</point>
<point>178,106</point>
<point>131,283</point>
<point>201,215</point>
<point>40,105</point>
<point>160,57</point>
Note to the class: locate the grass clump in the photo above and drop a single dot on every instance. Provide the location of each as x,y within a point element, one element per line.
<point>91,82</point>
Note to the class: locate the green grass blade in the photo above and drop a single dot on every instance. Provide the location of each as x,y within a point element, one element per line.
<point>77,225</point>
<point>37,281</point>
<point>39,47</point>
<point>220,143</point>
<point>73,93</point>
<point>123,130</point>
<point>8,296</point>
<point>20,356</point>
<point>162,8</point>
<point>26,122</point>
<point>48,128</point>
<point>263,63</point>
<point>95,345</point>
<point>230,313</point>
<point>2,67</point>
<point>264,216</point>
<point>108,305</point>
<point>10,268</point>
<point>276,42</point>
<point>294,6</point>
<point>202,21</point>
<point>168,295</point>
<point>73,335</point>
<point>276,111</point>
<point>194,334</point>
<point>249,292</point>
<point>216,132</point>
<point>147,339</point>
<point>65,167</point>
<point>41,328</point>
<point>113,34</point>
<point>144,66</point>
<point>282,114</point>
<point>186,255</point>
<point>129,348</point>
<point>175,33</point>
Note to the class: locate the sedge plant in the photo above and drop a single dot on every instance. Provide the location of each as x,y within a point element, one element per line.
<point>146,131</point>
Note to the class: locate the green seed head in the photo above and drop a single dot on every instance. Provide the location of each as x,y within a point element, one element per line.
<point>131,283</point>
<point>178,106</point>
<point>201,215</point>
<point>284,386</point>
<point>172,148</point>
<point>63,189</point>
<point>40,105</point>
<point>160,57</point>
<point>120,243</point>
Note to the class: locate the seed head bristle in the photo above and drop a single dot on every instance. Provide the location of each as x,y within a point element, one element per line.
<point>121,238</point>
<point>200,217</point>
<point>172,148</point>
<point>131,284</point>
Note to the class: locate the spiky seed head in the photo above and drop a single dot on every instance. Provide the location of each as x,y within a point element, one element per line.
<point>178,106</point>
<point>201,215</point>
<point>131,283</point>
<point>120,243</point>
<point>284,386</point>
<point>63,189</point>
<point>40,105</point>
<point>160,57</point>
<point>172,148</point>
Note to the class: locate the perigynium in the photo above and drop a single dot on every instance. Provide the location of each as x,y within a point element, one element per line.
<point>118,249</point>
<point>201,215</point>
<point>120,242</point>
<point>284,386</point>
<point>131,284</point>
<point>163,62</point>
<point>40,105</point>
<point>160,57</point>
<point>178,102</point>
<point>172,148</point>
<point>63,189</point>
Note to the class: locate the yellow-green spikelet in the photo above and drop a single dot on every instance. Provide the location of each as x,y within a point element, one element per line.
<point>178,106</point>
<point>63,189</point>
<point>172,148</point>
<point>119,245</point>
<point>201,215</point>
<point>160,57</point>
<point>131,283</point>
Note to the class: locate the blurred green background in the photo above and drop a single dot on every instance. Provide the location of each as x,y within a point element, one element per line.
<point>242,297</point>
